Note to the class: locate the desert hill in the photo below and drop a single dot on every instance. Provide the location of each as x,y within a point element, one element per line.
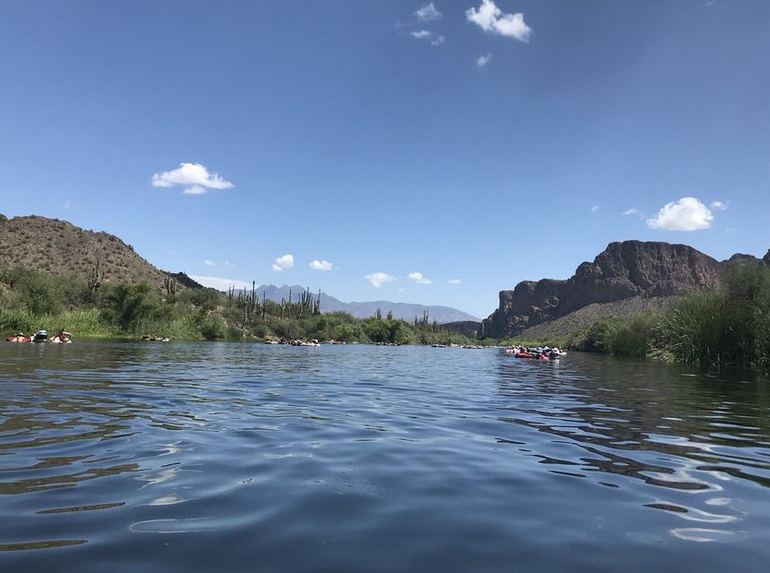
<point>61,248</point>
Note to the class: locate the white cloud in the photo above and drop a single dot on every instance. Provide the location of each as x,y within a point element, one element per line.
<point>209,263</point>
<point>283,263</point>
<point>420,34</point>
<point>455,281</point>
<point>719,206</point>
<point>687,214</point>
<point>194,177</point>
<point>427,13</point>
<point>491,19</point>
<point>194,190</point>
<point>418,278</point>
<point>219,283</point>
<point>595,209</point>
<point>317,265</point>
<point>438,41</point>
<point>378,279</point>
<point>68,204</point>
<point>482,61</point>
<point>633,211</point>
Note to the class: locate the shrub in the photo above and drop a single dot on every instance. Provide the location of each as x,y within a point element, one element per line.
<point>212,327</point>
<point>127,305</point>
<point>17,320</point>
<point>632,337</point>
<point>725,327</point>
<point>595,338</point>
<point>347,332</point>
<point>203,298</point>
<point>38,292</point>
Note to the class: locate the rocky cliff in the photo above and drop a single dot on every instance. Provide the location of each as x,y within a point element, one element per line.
<point>622,271</point>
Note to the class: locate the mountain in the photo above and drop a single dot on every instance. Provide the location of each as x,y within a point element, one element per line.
<point>406,311</point>
<point>61,248</point>
<point>642,274</point>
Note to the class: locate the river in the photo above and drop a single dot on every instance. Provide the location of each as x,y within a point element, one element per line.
<point>118,456</point>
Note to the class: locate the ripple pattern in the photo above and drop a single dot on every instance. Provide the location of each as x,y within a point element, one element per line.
<point>240,457</point>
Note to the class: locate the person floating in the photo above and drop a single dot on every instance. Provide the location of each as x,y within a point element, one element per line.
<point>62,337</point>
<point>40,336</point>
<point>19,337</point>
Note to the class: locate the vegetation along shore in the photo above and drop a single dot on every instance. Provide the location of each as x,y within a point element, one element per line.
<point>725,326</point>
<point>32,300</point>
<point>636,299</point>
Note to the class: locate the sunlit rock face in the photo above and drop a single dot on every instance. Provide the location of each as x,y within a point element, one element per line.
<point>623,270</point>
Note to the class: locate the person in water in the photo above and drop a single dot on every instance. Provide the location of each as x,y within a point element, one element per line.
<point>62,336</point>
<point>18,338</point>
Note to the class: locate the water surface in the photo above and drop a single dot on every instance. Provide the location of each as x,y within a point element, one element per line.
<point>239,457</point>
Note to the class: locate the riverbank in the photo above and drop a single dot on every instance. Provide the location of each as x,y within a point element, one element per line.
<point>32,300</point>
<point>726,327</point>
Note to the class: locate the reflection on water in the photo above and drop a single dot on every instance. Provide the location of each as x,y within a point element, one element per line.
<point>192,456</point>
<point>688,436</point>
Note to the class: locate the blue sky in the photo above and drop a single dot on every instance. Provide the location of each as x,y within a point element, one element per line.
<point>485,142</point>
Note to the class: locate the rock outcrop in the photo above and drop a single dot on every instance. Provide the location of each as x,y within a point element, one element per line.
<point>623,270</point>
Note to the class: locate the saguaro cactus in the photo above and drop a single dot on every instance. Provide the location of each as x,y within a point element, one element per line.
<point>95,280</point>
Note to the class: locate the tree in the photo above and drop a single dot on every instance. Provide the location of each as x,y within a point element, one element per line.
<point>127,304</point>
<point>39,293</point>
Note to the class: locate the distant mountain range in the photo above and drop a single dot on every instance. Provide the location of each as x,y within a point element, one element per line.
<point>406,311</point>
<point>61,248</point>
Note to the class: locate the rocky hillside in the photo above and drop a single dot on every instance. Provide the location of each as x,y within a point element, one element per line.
<point>624,270</point>
<point>60,248</point>
<point>589,314</point>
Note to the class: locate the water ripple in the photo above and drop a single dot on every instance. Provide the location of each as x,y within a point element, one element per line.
<point>146,456</point>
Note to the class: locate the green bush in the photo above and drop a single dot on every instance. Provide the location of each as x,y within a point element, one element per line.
<point>128,306</point>
<point>595,338</point>
<point>710,329</point>
<point>724,327</point>
<point>632,337</point>
<point>82,322</point>
<point>39,293</point>
<point>211,327</point>
<point>347,332</point>
<point>13,320</point>
<point>762,326</point>
<point>205,299</point>
<point>287,329</point>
